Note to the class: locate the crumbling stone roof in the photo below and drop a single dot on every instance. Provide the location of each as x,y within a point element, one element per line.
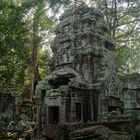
<point>65,71</point>
<point>70,28</point>
<point>82,33</point>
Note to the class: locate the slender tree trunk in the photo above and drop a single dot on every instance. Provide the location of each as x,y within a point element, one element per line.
<point>115,19</point>
<point>33,66</point>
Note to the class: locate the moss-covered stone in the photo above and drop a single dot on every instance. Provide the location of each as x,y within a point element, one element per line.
<point>84,83</point>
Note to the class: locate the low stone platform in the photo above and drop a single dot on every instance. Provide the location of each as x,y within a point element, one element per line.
<point>83,131</point>
<point>99,132</point>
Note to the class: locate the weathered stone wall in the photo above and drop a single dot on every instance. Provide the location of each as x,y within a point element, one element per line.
<point>84,71</point>
<point>131,95</point>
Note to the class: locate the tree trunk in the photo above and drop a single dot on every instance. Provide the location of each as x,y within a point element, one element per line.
<point>33,69</point>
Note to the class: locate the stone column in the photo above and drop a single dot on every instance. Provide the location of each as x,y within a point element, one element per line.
<point>92,107</point>
<point>90,70</point>
<point>62,116</point>
<point>82,117</point>
<point>72,116</point>
<point>38,117</point>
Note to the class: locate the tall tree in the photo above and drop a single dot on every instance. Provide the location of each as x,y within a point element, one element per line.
<point>23,25</point>
<point>124,21</point>
<point>39,25</point>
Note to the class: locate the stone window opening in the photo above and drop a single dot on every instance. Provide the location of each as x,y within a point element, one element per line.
<point>53,115</point>
<point>78,111</point>
<point>109,46</point>
<point>112,108</point>
<point>59,82</point>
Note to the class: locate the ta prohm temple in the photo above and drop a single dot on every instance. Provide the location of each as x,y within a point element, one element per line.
<point>83,99</point>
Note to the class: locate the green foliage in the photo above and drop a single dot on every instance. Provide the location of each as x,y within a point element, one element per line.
<point>22,27</point>
<point>128,59</point>
<point>44,63</point>
<point>106,116</point>
<point>123,19</point>
<point>17,36</point>
<point>5,118</point>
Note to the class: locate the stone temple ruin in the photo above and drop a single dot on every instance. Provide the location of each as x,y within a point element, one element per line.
<point>131,95</point>
<point>83,84</point>
<point>83,98</point>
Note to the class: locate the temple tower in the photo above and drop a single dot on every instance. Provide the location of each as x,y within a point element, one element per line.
<point>82,85</point>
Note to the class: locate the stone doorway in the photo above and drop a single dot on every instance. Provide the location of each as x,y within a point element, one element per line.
<point>112,108</point>
<point>78,111</point>
<point>53,114</point>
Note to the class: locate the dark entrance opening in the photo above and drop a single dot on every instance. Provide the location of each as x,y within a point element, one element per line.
<point>78,111</point>
<point>61,80</point>
<point>53,114</point>
<point>112,108</point>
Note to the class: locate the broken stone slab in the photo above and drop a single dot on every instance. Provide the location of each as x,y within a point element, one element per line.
<point>13,127</point>
<point>24,117</point>
<point>98,132</point>
<point>19,126</point>
<point>56,132</point>
<point>13,136</point>
<point>25,124</point>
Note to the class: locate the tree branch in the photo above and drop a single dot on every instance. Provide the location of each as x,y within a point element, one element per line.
<point>126,33</point>
<point>126,11</point>
<point>127,23</point>
<point>127,40</point>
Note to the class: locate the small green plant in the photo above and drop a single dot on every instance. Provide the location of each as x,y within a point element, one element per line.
<point>108,115</point>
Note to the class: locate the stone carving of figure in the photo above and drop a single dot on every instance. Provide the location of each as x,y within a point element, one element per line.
<point>85,71</point>
<point>65,58</point>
